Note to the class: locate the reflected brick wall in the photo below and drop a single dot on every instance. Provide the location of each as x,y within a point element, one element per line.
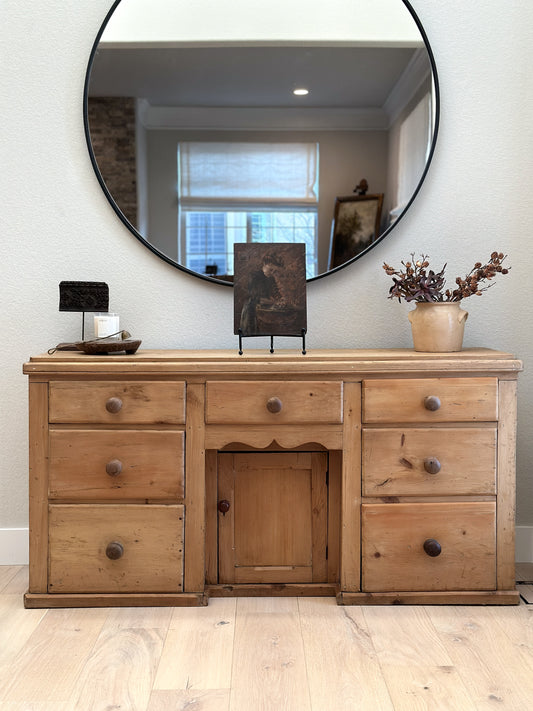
<point>112,128</point>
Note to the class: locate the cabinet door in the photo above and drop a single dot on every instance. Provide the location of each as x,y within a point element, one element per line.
<point>275,528</point>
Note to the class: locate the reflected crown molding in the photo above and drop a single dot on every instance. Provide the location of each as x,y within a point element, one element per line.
<point>201,118</point>
<point>252,119</point>
<point>416,73</point>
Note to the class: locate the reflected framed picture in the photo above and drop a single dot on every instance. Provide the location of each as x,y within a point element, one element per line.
<point>356,224</point>
<point>269,293</point>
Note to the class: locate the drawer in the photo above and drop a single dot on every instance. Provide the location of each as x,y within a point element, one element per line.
<point>110,548</point>
<point>125,402</point>
<point>430,400</point>
<point>429,461</point>
<point>272,402</point>
<point>395,536</point>
<point>96,465</point>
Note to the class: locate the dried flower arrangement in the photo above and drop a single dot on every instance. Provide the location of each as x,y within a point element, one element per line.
<point>418,283</point>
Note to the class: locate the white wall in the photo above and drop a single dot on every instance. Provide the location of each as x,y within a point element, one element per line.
<point>55,222</point>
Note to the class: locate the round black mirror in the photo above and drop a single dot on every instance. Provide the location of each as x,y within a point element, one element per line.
<point>200,143</point>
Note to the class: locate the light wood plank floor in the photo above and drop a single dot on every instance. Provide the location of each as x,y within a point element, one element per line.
<point>263,654</point>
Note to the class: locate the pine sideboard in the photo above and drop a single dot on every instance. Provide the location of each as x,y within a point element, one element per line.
<point>168,477</point>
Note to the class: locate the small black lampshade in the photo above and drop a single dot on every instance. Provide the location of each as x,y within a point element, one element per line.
<point>83,296</point>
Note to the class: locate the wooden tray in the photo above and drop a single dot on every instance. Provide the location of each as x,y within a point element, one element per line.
<point>109,345</point>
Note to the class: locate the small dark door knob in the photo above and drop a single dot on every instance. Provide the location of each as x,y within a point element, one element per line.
<point>224,506</point>
<point>432,547</point>
<point>114,550</point>
<point>113,405</point>
<point>432,465</point>
<point>274,405</point>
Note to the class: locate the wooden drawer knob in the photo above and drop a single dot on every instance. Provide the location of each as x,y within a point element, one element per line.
<point>114,550</point>
<point>432,465</point>
<point>113,467</point>
<point>274,405</point>
<point>113,405</point>
<point>432,403</point>
<point>432,547</point>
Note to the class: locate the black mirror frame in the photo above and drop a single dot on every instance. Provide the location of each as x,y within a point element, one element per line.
<point>206,277</point>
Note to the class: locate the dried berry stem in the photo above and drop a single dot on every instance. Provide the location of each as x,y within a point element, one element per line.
<point>416,282</point>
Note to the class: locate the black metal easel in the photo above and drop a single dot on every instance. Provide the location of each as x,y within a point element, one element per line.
<point>290,335</point>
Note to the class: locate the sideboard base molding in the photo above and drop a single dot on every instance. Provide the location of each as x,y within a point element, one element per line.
<point>39,600</point>
<point>490,597</point>
<point>274,590</point>
<point>450,597</point>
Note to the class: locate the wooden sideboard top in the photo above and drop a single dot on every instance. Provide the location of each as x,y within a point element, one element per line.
<point>286,361</point>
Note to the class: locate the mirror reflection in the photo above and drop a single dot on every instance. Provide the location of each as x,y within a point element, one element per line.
<point>201,144</point>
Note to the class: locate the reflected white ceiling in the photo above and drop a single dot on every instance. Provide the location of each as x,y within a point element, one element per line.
<point>260,76</point>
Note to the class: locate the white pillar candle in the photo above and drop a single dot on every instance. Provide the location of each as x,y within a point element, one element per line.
<point>105,325</point>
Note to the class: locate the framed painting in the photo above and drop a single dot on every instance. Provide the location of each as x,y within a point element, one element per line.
<point>356,224</point>
<point>269,293</point>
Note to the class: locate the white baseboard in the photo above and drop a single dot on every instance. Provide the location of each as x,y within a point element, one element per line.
<point>14,545</point>
<point>524,544</point>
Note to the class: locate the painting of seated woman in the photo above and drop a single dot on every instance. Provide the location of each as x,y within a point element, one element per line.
<point>270,289</point>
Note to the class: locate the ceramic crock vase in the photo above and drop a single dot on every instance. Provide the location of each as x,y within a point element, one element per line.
<point>438,326</point>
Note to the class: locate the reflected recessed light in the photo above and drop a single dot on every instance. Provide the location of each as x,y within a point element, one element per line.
<point>300,92</point>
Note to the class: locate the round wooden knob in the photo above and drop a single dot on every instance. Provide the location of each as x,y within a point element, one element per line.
<point>113,467</point>
<point>224,506</point>
<point>432,547</point>
<point>432,465</point>
<point>431,402</point>
<point>113,405</point>
<point>114,550</point>
<point>274,405</point>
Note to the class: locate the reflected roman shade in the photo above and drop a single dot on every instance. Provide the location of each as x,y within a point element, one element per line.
<point>242,172</point>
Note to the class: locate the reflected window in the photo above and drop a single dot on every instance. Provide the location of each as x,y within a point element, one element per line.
<point>245,192</point>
